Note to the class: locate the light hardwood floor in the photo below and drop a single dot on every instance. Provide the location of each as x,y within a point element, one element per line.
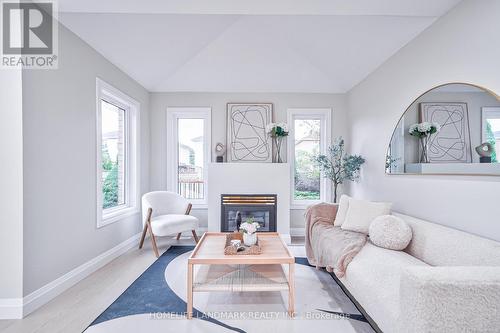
<point>76,308</point>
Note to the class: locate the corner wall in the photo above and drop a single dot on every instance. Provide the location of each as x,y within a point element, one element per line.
<point>462,46</point>
<point>59,123</point>
<point>11,193</point>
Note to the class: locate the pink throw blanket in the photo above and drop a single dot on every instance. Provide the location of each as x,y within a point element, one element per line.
<point>329,246</point>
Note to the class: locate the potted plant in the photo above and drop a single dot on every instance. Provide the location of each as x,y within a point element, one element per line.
<point>277,131</point>
<point>249,231</point>
<point>338,166</point>
<point>423,132</point>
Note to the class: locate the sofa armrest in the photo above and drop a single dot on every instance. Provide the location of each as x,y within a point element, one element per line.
<point>319,213</point>
<point>450,299</point>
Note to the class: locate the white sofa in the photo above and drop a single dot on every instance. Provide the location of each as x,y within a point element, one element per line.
<point>444,281</point>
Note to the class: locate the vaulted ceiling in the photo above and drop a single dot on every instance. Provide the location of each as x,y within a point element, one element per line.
<point>249,46</point>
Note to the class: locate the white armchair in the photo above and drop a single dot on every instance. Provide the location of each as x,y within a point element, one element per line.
<point>166,213</point>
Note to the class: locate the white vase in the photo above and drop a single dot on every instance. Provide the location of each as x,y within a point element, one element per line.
<point>249,239</point>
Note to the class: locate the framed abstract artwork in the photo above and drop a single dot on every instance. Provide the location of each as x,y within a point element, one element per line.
<point>452,143</point>
<point>247,140</point>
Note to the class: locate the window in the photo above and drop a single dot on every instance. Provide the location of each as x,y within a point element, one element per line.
<point>189,152</point>
<point>116,154</point>
<point>309,137</point>
<point>491,130</point>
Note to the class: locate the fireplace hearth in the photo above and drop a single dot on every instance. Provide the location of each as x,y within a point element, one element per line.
<point>237,208</point>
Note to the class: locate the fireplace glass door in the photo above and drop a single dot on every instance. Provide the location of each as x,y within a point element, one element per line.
<point>237,209</point>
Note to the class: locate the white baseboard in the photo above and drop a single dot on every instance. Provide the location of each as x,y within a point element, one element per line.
<point>11,308</point>
<point>297,231</point>
<point>46,293</point>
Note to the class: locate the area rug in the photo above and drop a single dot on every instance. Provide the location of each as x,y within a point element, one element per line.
<point>155,302</point>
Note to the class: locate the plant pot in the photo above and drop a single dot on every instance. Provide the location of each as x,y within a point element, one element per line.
<point>249,239</point>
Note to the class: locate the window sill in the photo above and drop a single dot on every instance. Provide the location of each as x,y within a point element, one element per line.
<point>116,216</point>
<point>200,206</point>
<point>303,205</point>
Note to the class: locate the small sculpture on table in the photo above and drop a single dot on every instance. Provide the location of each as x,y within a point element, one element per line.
<point>485,150</point>
<point>220,150</point>
<point>238,221</point>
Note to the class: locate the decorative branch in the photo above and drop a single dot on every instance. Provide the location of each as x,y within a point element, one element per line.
<point>337,166</point>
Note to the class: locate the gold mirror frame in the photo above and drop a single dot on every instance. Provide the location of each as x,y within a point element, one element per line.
<point>408,107</point>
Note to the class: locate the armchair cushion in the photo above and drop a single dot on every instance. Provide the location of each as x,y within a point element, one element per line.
<point>165,225</point>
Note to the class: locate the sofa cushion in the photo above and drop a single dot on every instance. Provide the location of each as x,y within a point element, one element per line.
<point>390,232</point>
<point>373,278</point>
<point>342,211</point>
<point>361,213</point>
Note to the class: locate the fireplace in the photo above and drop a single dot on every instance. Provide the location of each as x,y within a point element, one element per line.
<point>237,208</point>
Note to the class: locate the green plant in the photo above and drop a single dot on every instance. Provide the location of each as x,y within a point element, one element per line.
<point>338,166</point>
<point>277,131</point>
<point>490,138</point>
<point>110,183</point>
<point>110,188</point>
<point>423,132</point>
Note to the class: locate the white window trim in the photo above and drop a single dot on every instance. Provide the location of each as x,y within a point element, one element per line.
<point>173,114</point>
<point>325,116</point>
<point>132,107</point>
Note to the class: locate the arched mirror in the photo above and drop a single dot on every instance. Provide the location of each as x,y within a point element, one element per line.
<point>451,129</point>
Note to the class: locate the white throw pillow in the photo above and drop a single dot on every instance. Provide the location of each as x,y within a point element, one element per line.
<point>390,232</point>
<point>342,210</point>
<point>361,213</point>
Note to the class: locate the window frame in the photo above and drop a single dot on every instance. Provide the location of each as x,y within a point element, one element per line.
<point>324,115</point>
<point>110,94</point>
<point>173,115</point>
<point>488,112</point>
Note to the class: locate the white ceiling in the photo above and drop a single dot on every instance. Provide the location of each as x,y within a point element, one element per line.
<point>249,46</point>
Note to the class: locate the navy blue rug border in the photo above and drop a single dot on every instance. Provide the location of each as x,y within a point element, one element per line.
<point>173,302</point>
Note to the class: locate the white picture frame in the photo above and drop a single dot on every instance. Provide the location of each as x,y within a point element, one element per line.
<point>452,144</point>
<point>247,140</point>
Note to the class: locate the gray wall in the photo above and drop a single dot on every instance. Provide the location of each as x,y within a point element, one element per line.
<point>11,184</point>
<point>59,162</point>
<point>217,101</point>
<point>459,47</point>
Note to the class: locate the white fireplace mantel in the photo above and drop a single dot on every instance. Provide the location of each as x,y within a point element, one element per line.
<point>250,178</point>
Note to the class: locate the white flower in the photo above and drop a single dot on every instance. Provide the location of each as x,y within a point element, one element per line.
<point>284,126</point>
<point>413,128</point>
<point>424,127</point>
<point>438,127</point>
<point>250,228</point>
<point>270,127</point>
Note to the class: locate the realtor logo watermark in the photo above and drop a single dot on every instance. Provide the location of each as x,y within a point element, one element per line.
<point>29,34</point>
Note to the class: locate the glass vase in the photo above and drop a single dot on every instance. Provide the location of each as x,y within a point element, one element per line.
<point>278,141</point>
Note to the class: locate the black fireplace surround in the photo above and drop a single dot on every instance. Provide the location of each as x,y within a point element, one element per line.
<point>237,208</point>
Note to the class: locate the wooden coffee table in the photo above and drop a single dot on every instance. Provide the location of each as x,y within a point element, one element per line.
<point>235,273</point>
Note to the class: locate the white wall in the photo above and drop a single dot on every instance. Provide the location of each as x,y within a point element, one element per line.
<point>460,47</point>
<point>59,162</point>
<point>11,185</point>
<point>160,102</point>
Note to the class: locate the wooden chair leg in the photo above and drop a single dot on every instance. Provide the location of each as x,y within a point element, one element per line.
<point>144,231</point>
<point>195,236</point>
<point>153,242</point>
<point>179,235</point>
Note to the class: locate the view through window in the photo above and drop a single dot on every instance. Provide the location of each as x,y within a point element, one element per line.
<point>492,134</point>
<point>307,177</point>
<point>113,152</point>
<point>190,157</point>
